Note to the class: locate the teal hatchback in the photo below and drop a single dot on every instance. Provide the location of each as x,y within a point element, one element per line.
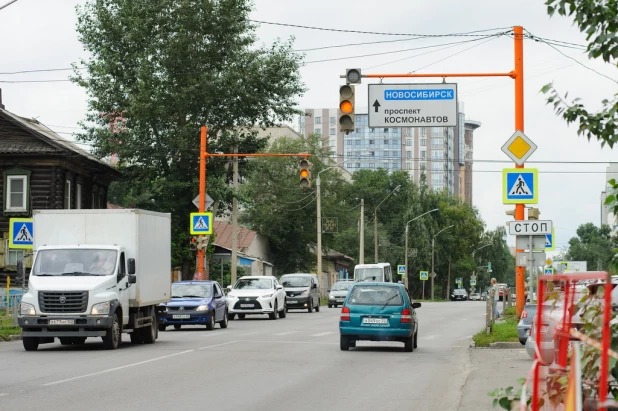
<point>378,312</point>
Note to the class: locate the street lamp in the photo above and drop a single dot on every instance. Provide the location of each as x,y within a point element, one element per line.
<point>405,280</point>
<point>319,209</point>
<point>433,246</point>
<point>375,223</point>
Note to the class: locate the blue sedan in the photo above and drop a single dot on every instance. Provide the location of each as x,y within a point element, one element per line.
<point>378,312</point>
<point>195,303</point>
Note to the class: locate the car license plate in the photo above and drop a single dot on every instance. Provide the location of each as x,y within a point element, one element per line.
<point>181,316</point>
<point>375,321</point>
<point>292,302</point>
<point>544,329</point>
<point>61,322</point>
<point>246,305</point>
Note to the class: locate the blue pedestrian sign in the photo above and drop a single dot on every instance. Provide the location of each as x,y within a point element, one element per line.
<point>201,223</point>
<point>401,269</point>
<point>424,275</point>
<point>520,186</point>
<point>549,271</point>
<point>21,233</point>
<point>472,283</point>
<point>549,241</point>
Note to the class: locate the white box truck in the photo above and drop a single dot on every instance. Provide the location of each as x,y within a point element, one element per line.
<point>96,273</point>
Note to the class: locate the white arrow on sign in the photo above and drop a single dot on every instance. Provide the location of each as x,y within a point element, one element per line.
<point>208,201</point>
<point>530,227</point>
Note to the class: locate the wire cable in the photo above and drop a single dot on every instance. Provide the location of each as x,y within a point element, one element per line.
<point>355,44</point>
<point>301,208</point>
<point>6,73</point>
<point>7,4</point>
<point>33,81</point>
<point>469,33</point>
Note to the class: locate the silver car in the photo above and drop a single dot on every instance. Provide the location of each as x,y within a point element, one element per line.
<point>337,295</point>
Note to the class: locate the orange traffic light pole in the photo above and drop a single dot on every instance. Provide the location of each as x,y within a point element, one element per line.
<point>202,194</point>
<point>518,76</point>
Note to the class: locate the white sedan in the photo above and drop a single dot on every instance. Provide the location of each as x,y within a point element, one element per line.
<point>260,294</point>
<point>475,297</point>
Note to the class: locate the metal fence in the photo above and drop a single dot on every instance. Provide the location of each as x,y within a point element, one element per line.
<point>10,304</point>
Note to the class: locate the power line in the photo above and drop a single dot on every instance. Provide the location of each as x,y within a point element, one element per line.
<point>468,33</point>
<point>356,44</point>
<point>8,4</point>
<point>396,51</point>
<point>33,81</point>
<point>6,73</point>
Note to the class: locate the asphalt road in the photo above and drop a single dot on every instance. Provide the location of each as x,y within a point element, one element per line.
<point>255,364</point>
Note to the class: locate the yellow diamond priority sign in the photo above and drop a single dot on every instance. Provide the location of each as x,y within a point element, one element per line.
<point>519,147</point>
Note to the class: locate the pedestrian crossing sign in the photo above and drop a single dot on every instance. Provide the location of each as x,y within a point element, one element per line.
<point>401,269</point>
<point>21,233</point>
<point>424,275</point>
<point>200,223</point>
<point>520,186</point>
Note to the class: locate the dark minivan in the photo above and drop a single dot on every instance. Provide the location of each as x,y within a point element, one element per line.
<point>301,291</point>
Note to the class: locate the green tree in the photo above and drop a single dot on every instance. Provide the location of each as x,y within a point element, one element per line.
<point>166,67</point>
<point>599,20</point>
<point>276,206</point>
<point>593,245</point>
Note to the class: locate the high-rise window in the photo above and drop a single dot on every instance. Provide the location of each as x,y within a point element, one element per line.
<point>318,120</point>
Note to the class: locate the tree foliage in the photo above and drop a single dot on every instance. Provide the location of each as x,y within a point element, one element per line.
<point>160,69</point>
<point>599,20</point>
<point>593,245</point>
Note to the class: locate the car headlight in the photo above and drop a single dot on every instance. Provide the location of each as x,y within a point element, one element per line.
<point>27,309</point>
<point>267,296</point>
<point>202,308</point>
<point>331,297</point>
<point>232,296</point>
<point>100,309</point>
<point>304,293</point>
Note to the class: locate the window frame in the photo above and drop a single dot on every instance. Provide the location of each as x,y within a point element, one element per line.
<point>14,174</point>
<point>67,193</point>
<point>78,196</point>
<point>7,259</point>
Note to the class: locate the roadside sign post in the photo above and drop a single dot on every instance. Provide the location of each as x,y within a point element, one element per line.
<point>21,233</point>
<point>424,275</point>
<point>401,269</point>
<point>520,186</point>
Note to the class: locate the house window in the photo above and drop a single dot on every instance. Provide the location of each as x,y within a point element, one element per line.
<point>78,197</point>
<point>102,199</point>
<point>372,165</point>
<point>93,203</point>
<point>13,255</point>
<point>386,130</point>
<point>423,153</point>
<point>332,143</point>
<point>386,142</point>
<point>333,131</point>
<point>318,130</point>
<point>422,166</point>
<point>67,194</point>
<point>423,131</point>
<point>333,121</point>
<point>408,141</point>
<point>408,154</point>
<point>16,196</point>
<point>423,142</point>
<point>408,165</point>
<point>371,141</point>
<point>437,142</point>
<point>318,120</point>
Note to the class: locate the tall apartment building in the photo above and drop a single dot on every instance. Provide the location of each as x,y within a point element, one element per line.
<point>443,154</point>
<point>607,216</point>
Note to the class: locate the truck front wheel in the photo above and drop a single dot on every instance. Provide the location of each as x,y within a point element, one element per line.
<point>30,343</point>
<point>150,333</point>
<point>113,337</point>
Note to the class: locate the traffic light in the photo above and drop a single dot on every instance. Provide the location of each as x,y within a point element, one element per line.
<point>489,266</point>
<point>353,76</point>
<point>533,213</point>
<point>304,173</point>
<point>202,242</point>
<point>193,244</point>
<point>346,108</point>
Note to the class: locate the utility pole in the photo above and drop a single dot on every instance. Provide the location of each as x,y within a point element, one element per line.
<point>202,200</point>
<point>448,281</point>
<point>406,252</point>
<point>361,257</point>
<point>318,251</point>
<point>234,218</point>
<point>432,274</point>
<point>405,280</point>
<point>375,221</point>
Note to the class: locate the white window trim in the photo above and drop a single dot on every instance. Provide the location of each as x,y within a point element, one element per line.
<point>9,179</point>
<point>8,251</point>
<point>67,184</point>
<point>78,197</point>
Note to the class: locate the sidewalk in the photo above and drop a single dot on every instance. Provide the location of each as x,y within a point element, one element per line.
<point>491,369</point>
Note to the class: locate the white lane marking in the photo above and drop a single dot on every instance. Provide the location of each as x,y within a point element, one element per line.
<point>133,365</point>
<point>3,394</point>
<point>217,345</point>
<point>286,333</point>
<point>322,334</point>
<point>290,342</point>
<point>116,368</point>
<point>248,334</point>
<point>429,337</point>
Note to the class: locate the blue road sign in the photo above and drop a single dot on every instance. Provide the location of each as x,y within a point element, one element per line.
<point>472,282</point>
<point>401,269</point>
<point>520,186</point>
<point>548,271</point>
<point>458,280</point>
<point>21,233</point>
<point>424,275</point>
<point>201,223</point>
<point>549,241</point>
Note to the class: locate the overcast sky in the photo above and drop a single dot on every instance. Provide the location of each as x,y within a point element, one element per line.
<point>40,34</point>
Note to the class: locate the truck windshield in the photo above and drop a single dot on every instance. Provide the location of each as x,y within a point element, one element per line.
<point>75,262</point>
<point>369,274</point>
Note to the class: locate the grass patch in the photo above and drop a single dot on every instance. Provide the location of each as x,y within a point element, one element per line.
<point>6,327</point>
<point>502,332</point>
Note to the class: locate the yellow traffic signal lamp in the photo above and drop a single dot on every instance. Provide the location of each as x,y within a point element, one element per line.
<point>304,173</point>
<point>346,108</point>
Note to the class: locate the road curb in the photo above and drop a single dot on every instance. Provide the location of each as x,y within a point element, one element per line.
<point>472,344</point>
<point>12,338</point>
<point>507,345</point>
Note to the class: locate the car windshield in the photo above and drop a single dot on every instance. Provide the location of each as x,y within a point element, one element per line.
<point>191,290</point>
<point>294,281</point>
<point>75,262</point>
<point>375,295</point>
<point>253,284</point>
<point>459,291</point>
<point>369,274</point>
<point>342,286</point>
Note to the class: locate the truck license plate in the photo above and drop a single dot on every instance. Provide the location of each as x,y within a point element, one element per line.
<point>292,302</point>
<point>61,322</point>
<point>181,316</point>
